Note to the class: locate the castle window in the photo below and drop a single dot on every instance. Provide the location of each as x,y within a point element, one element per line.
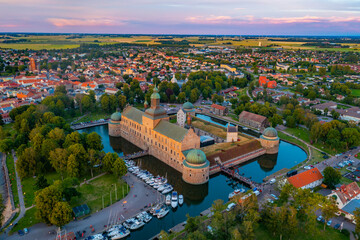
<point>190,174</point>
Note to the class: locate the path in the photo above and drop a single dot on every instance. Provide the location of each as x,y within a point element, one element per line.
<point>20,193</point>
<point>140,196</point>
<point>89,180</point>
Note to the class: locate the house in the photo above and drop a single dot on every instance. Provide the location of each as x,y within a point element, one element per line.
<point>111,91</point>
<point>345,194</point>
<point>253,120</point>
<point>219,110</point>
<point>308,179</point>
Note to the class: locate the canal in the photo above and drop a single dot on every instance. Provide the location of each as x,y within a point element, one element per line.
<point>198,198</point>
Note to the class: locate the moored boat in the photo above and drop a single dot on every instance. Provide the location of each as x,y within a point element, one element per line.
<point>181,199</point>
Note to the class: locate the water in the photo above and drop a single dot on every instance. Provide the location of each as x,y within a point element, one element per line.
<point>198,198</point>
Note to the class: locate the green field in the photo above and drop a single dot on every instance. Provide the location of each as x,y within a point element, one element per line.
<point>101,188</point>
<point>93,117</point>
<point>355,92</point>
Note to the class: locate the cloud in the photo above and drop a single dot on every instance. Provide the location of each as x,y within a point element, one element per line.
<point>8,25</point>
<point>65,22</point>
<point>249,19</point>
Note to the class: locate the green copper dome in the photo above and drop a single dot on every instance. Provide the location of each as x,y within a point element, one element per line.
<point>116,116</point>
<point>196,156</point>
<point>155,94</point>
<point>188,105</point>
<point>270,132</point>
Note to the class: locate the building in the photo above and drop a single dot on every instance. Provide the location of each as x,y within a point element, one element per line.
<point>345,194</point>
<point>32,65</point>
<point>253,120</point>
<point>186,109</point>
<point>308,179</point>
<point>264,81</point>
<point>270,140</point>
<point>219,110</point>
<point>170,143</point>
<point>232,133</point>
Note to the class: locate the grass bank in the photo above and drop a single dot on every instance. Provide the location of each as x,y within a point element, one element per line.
<point>11,168</point>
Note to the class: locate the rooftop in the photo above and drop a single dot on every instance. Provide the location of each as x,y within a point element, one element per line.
<point>305,178</point>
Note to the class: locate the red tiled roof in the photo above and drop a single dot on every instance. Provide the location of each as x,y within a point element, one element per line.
<point>218,107</point>
<point>305,178</point>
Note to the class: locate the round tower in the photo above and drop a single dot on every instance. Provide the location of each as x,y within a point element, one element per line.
<point>114,124</point>
<point>195,167</point>
<point>270,140</point>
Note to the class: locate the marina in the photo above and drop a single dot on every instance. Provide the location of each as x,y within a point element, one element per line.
<point>197,198</point>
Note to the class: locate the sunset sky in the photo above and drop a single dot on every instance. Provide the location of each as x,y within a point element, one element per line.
<point>234,17</point>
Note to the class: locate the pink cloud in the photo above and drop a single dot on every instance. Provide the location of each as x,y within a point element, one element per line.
<point>64,22</point>
<point>249,19</point>
<point>9,25</point>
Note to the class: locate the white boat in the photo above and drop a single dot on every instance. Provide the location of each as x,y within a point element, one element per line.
<point>181,199</point>
<point>162,213</point>
<point>236,192</point>
<point>174,199</point>
<point>168,199</point>
<point>129,222</point>
<point>161,188</point>
<point>122,233</point>
<point>156,208</point>
<point>97,237</point>
<point>167,190</point>
<point>137,225</point>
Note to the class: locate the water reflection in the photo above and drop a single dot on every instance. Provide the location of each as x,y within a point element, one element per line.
<point>267,162</point>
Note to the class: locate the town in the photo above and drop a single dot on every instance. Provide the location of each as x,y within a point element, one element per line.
<point>171,140</point>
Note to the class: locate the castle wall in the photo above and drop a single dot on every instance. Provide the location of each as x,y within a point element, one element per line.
<point>271,146</point>
<point>195,175</point>
<point>114,129</point>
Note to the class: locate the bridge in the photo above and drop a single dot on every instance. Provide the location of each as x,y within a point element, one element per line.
<point>87,125</point>
<point>235,175</point>
<point>136,155</point>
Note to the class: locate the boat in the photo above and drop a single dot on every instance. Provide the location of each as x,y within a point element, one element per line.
<point>181,199</point>
<point>161,188</point>
<point>129,222</point>
<point>155,208</point>
<point>236,192</point>
<point>136,225</point>
<point>167,190</point>
<point>146,217</point>
<point>168,199</point>
<point>162,213</point>
<point>97,237</point>
<point>174,199</point>
<point>122,233</point>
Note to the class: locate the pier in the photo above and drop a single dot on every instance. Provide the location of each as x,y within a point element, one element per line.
<point>87,125</point>
<point>136,155</point>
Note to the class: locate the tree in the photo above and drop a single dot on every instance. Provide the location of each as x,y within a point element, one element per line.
<point>72,166</point>
<point>2,208</point>
<point>356,214</point>
<point>45,201</point>
<point>331,177</point>
<point>328,210</point>
<point>58,159</point>
<point>58,135</point>
<point>108,161</point>
<point>26,164</point>
<point>93,141</point>
<point>41,182</point>
<point>87,103</point>
<point>275,120</point>
<point>322,71</point>
<point>6,145</point>
<point>71,139</point>
<point>290,122</point>
<point>61,214</point>
<point>119,167</point>
<point>351,137</point>
<point>181,97</point>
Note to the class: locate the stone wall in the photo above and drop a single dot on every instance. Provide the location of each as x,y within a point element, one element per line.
<point>200,132</point>
<point>195,175</point>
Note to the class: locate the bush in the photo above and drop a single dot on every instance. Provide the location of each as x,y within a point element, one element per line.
<point>346,232</point>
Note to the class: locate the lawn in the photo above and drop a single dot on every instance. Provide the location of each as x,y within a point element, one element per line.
<point>304,134</point>
<point>261,233</point>
<point>27,221</point>
<point>358,155</point>
<point>29,184</point>
<point>212,149</point>
<point>93,117</point>
<point>101,188</point>
<point>355,92</point>
<point>292,140</point>
<point>11,168</point>
<point>206,126</point>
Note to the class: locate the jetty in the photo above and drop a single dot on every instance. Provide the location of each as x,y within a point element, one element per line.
<point>235,175</point>
<point>136,155</point>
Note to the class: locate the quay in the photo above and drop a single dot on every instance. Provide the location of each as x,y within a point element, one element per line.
<point>87,125</point>
<point>136,155</point>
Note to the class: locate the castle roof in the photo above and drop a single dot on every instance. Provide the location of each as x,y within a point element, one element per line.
<point>270,132</point>
<point>133,114</point>
<point>171,130</point>
<point>116,116</point>
<point>196,156</point>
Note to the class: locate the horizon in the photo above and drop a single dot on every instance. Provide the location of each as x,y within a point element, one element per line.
<point>196,17</point>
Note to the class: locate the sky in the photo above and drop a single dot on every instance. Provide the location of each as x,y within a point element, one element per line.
<point>215,17</point>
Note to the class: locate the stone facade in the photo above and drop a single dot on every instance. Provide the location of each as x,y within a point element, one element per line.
<point>270,140</point>
<point>253,120</point>
<point>232,133</point>
<point>194,174</point>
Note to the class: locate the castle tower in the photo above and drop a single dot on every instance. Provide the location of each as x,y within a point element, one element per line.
<point>155,113</point>
<point>232,133</point>
<point>114,124</point>
<point>195,167</point>
<point>32,65</point>
<point>270,140</point>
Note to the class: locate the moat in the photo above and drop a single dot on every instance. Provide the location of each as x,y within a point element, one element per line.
<point>198,197</point>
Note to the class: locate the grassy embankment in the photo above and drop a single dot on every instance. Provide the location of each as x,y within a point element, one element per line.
<point>11,168</point>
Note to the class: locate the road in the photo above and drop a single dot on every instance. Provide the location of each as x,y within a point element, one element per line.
<point>140,196</point>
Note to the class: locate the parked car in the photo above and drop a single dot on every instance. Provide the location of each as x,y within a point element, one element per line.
<point>26,231</point>
<point>329,222</point>
<point>337,226</point>
<point>274,196</point>
<point>230,207</point>
<point>21,232</point>
<point>270,200</point>
<point>319,218</point>
<point>272,181</point>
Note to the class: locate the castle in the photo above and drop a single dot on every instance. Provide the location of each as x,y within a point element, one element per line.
<point>151,130</point>
<point>175,145</point>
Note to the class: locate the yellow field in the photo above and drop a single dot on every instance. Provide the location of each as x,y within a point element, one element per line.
<point>61,42</point>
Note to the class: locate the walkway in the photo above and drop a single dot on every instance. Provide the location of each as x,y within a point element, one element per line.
<point>140,196</point>
<point>87,125</point>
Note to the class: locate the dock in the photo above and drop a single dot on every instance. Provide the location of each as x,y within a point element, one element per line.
<point>87,125</point>
<point>235,175</point>
<point>136,155</point>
